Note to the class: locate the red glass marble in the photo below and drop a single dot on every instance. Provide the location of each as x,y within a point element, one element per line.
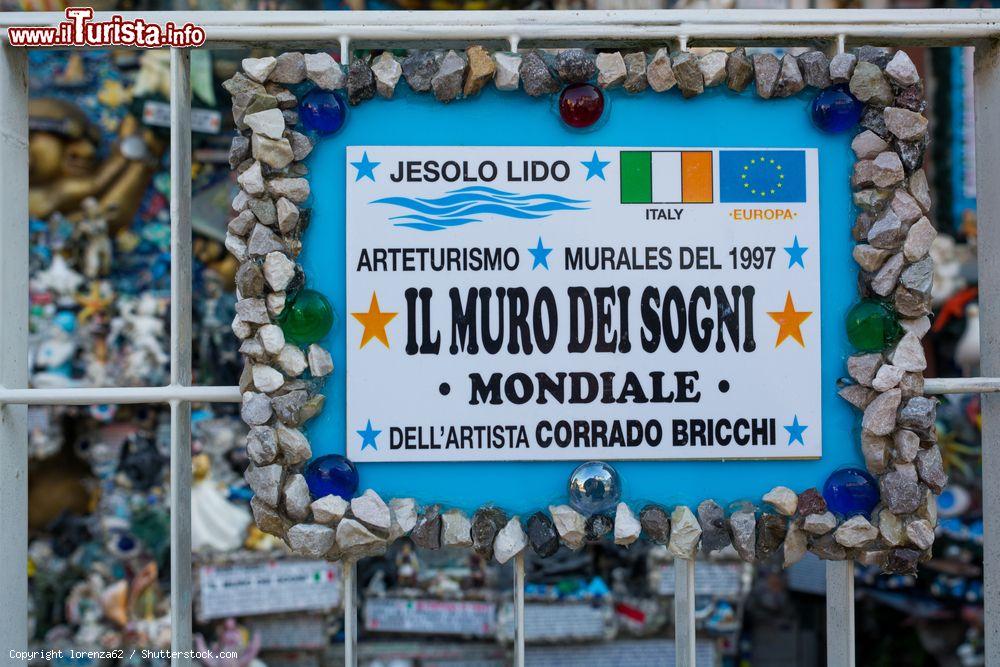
<point>581,104</point>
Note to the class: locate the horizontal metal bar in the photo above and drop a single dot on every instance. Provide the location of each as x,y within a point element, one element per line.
<point>937,386</point>
<point>373,29</point>
<point>119,395</point>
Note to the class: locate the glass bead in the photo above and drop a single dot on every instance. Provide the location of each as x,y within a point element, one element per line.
<point>307,319</point>
<point>872,326</point>
<point>322,112</point>
<point>851,491</point>
<point>834,109</point>
<point>594,487</point>
<point>331,474</point>
<point>581,105</point>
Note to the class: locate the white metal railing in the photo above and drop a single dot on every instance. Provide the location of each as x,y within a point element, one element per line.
<point>836,29</point>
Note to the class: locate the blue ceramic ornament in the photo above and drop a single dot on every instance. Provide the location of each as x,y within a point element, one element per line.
<point>834,109</point>
<point>322,112</point>
<point>851,491</point>
<point>331,474</point>
<point>594,487</point>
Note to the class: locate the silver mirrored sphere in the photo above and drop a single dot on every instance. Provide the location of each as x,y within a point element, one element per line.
<point>594,487</point>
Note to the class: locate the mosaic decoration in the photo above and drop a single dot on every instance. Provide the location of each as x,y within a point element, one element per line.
<point>885,515</point>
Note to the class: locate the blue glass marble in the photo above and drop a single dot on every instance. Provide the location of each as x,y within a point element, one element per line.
<point>594,487</point>
<point>834,109</point>
<point>322,112</point>
<point>331,474</point>
<point>851,491</point>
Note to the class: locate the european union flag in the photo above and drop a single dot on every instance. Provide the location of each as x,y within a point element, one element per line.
<point>764,177</point>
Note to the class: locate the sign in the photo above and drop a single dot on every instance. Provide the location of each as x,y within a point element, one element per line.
<point>268,588</point>
<point>438,617</point>
<point>655,193</point>
<point>585,302</point>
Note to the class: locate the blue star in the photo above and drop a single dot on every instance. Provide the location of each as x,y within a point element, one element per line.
<point>595,167</point>
<point>366,168</point>
<point>795,431</point>
<point>795,252</point>
<point>541,255</point>
<point>368,437</point>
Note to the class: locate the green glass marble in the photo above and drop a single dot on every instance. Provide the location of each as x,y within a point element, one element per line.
<point>872,326</point>
<point>307,319</point>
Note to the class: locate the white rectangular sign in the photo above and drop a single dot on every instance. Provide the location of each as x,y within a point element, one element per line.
<point>268,588</point>
<point>438,617</point>
<point>556,303</point>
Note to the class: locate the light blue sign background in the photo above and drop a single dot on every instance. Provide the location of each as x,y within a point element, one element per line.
<point>717,118</point>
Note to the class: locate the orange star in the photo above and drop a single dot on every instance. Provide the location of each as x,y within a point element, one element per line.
<point>374,322</point>
<point>789,322</point>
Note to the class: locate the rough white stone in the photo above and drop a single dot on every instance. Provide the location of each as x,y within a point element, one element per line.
<point>713,67</point>
<point>891,528</point>
<point>921,533</point>
<point>311,539</point>
<point>888,376</point>
<point>855,532</point>
<point>905,124</point>
<point>570,524</point>
<point>627,527</point>
<point>685,533</point>
<point>795,545</point>
<point>611,70</point>
<point>508,75</point>
<point>258,69</point>
<point>355,540</point>
<point>292,360</point>
<point>293,443</point>
<point>404,514</point>
<point>455,529</point>
<point>819,524</point>
<point>320,361</point>
<point>917,326</point>
<point>906,207</point>
<point>902,70</point>
<point>660,73</point>
<point>919,239</point>
<point>297,500</point>
<point>241,328</point>
<point>278,270</point>
<point>387,71</point>
<point>880,415</point>
<point>867,145</point>
<point>272,338</point>
<point>329,509</point>
<point>267,379</point>
<point>782,499</point>
<point>371,510</point>
<point>252,179</point>
<point>324,71</point>
<point>909,354</point>
<point>265,482</point>
<point>275,303</point>
<point>510,541</point>
<point>269,123</point>
<point>288,215</point>
<point>887,169</point>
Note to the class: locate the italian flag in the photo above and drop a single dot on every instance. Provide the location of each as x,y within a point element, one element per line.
<point>666,177</point>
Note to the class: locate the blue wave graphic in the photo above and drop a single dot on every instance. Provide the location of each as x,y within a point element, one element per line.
<point>467,205</point>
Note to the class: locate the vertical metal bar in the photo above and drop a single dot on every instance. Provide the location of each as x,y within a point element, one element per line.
<point>987,94</point>
<point>14,344</point>
<point>350,613</point>
<point>840,613</point>
<point>180,351</point>
<point>684,630</point>
<point>519,610</point>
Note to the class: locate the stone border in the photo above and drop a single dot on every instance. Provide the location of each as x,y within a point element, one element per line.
<point>893,238</point>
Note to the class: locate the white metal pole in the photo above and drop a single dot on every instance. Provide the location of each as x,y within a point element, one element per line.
<point>987,94</point>
<point>180,352</point>
<point>14,346</point>
<point>684,626</point>
<point>519,610</point>
<point>350,613</point>
<point>840,613</point>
